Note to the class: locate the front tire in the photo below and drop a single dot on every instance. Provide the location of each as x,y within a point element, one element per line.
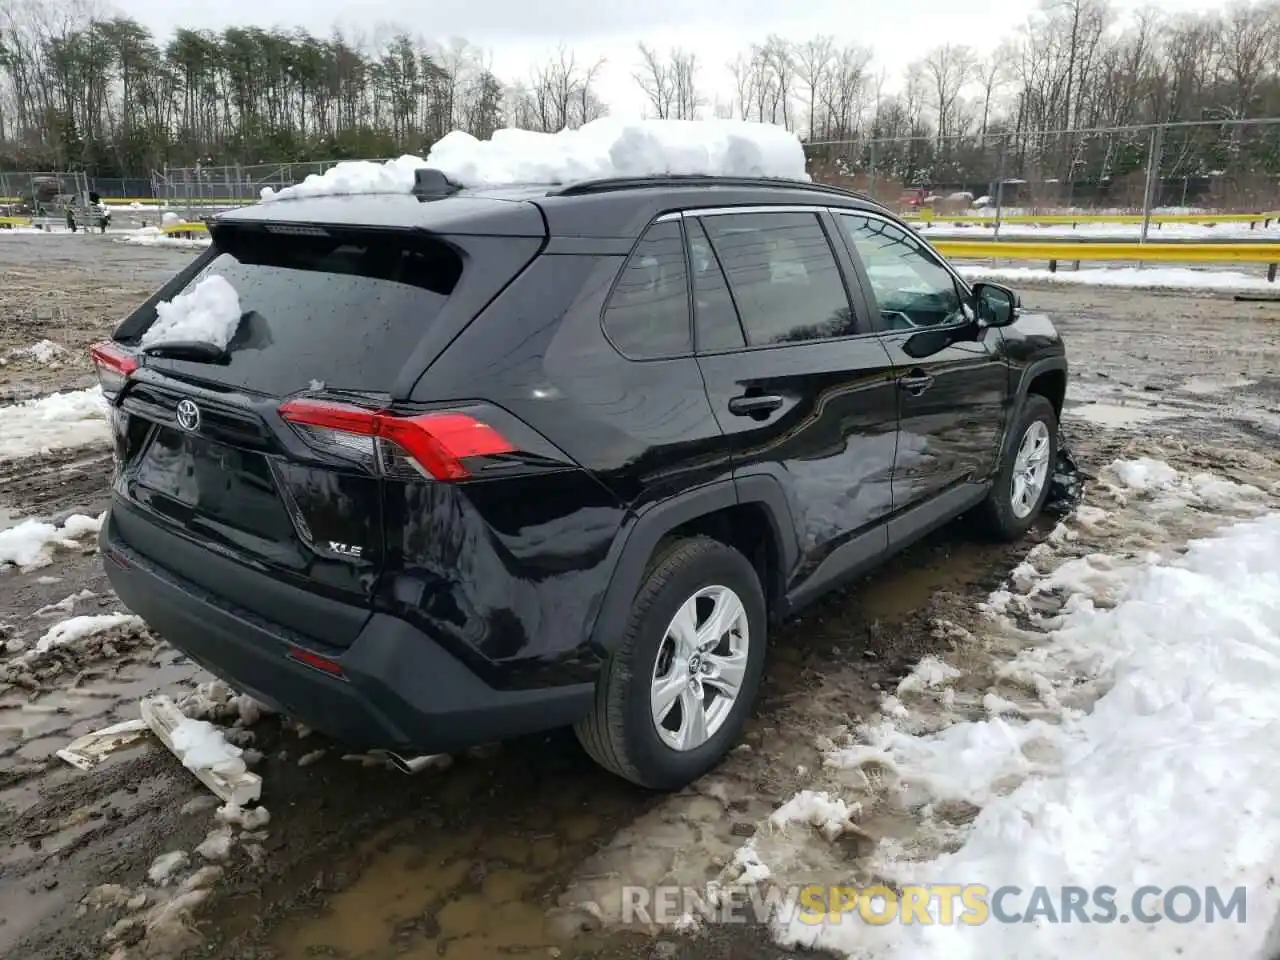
<point>674,695</point>
<point>1021,487</point>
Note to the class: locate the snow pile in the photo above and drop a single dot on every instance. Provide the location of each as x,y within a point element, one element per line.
<point>1141,750</point>
<point>60,420</point>
<point>208,312</point>
<point>29,544</point>
<point>1155,278</point>
<point>155,237</point>
<point>43,352</point>
<point>607,147</point>
<point>76,629</point>
<point>169,218</point>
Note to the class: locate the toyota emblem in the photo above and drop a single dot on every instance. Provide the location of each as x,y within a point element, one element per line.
<point>188,415</point>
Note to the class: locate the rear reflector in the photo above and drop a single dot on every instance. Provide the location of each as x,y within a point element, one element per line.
<point>316,662</point>
<point>432,445</point>
<point>113,363</point>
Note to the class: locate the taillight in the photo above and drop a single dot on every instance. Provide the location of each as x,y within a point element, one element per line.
<point>114,365</point>
<point>432,445</point>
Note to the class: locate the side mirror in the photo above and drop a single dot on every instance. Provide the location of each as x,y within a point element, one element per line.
<point>996,305</point>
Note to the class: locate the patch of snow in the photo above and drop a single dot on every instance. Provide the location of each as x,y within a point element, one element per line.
<point>169,218</point>
<point>217,845</point>
<point>1140,751</point>
<point>1144,473</point>
<point>166,865</point>
<point>66,604</point>
<point>198,804</point>
<point>608,147</point>
<point>252,818</point>
<point>1156,278</point>
<point>155,237</point>
<point>208,312</point>
<point>201,746</point>
<point>307,759</point>
<point>29,544</point>
<point>78,628</point>
<point>43,352</point>
<point>930,672</point>
<point>54,422</point>
<point>831,816</point>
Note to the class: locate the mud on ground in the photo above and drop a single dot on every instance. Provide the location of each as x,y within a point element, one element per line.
<point>489,856</point>
<point>70,289</point>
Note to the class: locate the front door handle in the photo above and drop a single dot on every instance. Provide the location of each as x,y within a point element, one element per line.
<point>916,382</point>
<point>755,405</point>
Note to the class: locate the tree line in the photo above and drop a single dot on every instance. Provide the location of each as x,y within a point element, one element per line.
<point>104,95</point>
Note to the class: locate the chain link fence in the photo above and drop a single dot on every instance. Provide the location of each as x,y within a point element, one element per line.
<point>188,190</point>
<point>25,186</point>
<point>1219,167</point>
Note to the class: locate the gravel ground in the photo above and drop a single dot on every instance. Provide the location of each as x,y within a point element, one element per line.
<point>486,857</point>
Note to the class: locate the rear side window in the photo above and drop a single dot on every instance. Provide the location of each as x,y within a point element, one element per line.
<point>345,310</point>
<point>647,317</point>
<point>783,275</point>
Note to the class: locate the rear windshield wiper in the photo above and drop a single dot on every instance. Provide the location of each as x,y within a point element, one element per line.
<point>198,350</point>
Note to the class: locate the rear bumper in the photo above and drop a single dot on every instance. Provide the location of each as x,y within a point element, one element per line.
<point>399,689</point>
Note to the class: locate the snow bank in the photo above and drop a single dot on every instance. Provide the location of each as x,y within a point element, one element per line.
<point>60,420</point>
<point>78,628</point>
<point>169,218</point>
<point>208,312</point>
<point>1150,759</point>
<point>1162,278</point>
<point>607,147</point>
<point>28,544</point>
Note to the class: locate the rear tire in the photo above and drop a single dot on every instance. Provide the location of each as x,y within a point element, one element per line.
<point>651,665</point>
<point>1031,453</point>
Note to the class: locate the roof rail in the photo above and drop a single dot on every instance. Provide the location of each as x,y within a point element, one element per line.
<point>607,184</point>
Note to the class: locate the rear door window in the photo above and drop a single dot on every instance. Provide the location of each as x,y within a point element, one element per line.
<point>647,317</point>
<point>783,275</point>
<point>344,311</point>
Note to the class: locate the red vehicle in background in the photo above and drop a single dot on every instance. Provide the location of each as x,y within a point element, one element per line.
<point>914,197</point>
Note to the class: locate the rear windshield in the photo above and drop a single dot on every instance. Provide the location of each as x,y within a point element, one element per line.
<point>344,310</point>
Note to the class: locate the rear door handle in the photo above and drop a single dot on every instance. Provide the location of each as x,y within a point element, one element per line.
<point>915,383</point>
<point>755,405</point>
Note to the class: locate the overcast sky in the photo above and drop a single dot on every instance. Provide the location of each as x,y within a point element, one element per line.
<point>520,33</point>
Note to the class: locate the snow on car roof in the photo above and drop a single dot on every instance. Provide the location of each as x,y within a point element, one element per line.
<point>604,148</point>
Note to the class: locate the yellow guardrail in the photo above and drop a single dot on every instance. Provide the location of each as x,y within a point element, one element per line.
<point>181,228</point>
<point>1072,219</point>
<point>1145,252</point>
<point>9,222</point>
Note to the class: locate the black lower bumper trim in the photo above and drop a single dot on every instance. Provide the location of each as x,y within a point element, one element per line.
<point>399,689</point>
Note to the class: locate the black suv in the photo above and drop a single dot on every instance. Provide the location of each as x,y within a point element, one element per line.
<point>484,463</point>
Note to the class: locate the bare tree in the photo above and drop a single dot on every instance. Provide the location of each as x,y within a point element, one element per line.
<point>814,62</point>
<point>670,85</point>
<point>947,69</point>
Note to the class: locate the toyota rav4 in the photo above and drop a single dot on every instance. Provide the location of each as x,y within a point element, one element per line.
<point>480,463</point>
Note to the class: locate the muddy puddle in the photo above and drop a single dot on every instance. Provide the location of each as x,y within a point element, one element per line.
<point>545,836</point>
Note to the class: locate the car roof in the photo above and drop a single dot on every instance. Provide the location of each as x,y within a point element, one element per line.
<point>613,208</point>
